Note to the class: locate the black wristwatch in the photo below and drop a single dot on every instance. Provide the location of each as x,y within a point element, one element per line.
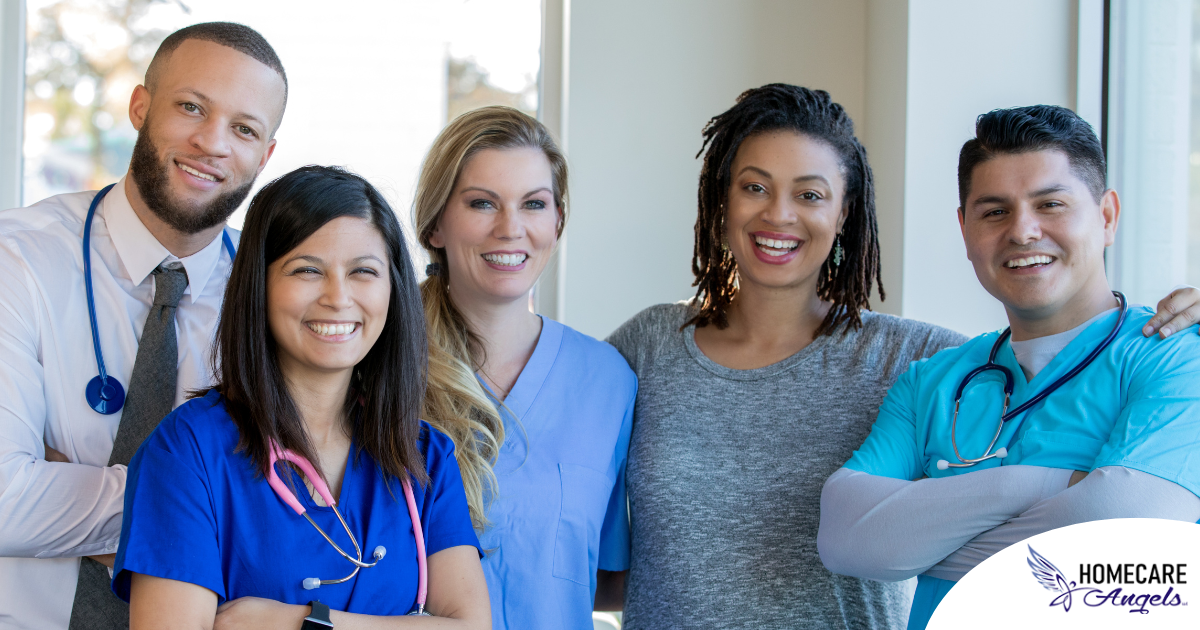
<point>318,619</point>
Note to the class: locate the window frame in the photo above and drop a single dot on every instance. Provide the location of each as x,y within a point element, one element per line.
<point>1145,133</point>
<point>12,102</point>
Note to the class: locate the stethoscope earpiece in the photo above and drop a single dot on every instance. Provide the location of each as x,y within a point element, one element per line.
<point>311,583</point>
<point>379,553</point>
<point>1000,453</point>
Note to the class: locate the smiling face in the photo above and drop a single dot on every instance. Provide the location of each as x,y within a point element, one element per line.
<point>327,299</point>
<point>499,225</point>
<point>785,207</point>
<point>204,134</point>
<point>1035,233</point>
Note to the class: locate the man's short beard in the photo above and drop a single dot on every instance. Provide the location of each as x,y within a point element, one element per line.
<point>152,177</point>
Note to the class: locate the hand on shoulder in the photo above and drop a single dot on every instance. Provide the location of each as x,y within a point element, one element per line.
<point>1179,310</point>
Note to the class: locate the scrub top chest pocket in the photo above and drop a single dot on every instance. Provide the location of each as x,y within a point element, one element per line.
<point>585,493</point>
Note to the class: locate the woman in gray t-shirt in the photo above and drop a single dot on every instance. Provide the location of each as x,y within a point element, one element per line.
<point>764,384</point>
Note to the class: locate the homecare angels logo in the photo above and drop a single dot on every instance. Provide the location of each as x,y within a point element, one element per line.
<point>1093,574</point>
<point>1053,580</point>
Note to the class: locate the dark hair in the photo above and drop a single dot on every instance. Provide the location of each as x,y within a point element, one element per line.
<point>239,37</point>
<point>384,402</point>
<point>811,113</point>
<point>1034,128</point>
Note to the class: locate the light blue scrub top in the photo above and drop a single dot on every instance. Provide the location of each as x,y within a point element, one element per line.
<point>1137,406</point>
<point>561,510</point>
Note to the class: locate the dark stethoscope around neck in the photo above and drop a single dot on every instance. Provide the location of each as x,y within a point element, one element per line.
<point>1005,414</point>
<point>104,393</point>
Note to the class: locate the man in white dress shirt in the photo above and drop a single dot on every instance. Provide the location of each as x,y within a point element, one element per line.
<point>213,98</point>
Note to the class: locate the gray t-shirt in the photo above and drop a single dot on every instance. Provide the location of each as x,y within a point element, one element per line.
<point>725,472</point>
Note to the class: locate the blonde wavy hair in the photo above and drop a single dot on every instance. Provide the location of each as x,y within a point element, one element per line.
<point>455,402</point>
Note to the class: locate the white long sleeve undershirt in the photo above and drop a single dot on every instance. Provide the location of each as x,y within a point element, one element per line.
<point>1107,492</point>
<point>891,529</point>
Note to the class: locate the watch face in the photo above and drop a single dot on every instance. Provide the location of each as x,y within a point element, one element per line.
<point>318,619</point>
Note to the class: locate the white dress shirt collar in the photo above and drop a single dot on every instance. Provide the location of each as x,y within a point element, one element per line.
<point>141,253</point>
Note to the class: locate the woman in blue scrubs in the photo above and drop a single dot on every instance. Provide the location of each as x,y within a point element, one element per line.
<point>321,351</point>
<point>540,413</point>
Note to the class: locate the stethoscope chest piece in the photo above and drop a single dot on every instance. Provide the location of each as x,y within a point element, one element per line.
<point>105,395</point>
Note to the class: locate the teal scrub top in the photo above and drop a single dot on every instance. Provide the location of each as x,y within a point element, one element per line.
<point>560,513</point>
<point>1137,406</point>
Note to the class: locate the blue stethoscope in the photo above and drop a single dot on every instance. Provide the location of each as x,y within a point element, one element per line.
<point>104,393</point>
<point>1005,414</point>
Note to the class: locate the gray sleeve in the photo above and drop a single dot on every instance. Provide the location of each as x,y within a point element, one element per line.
<point>626,339</point>
<point>940,339</point>
<point>1107,492</point>
<point>888,529</point>
<point>639,337</point>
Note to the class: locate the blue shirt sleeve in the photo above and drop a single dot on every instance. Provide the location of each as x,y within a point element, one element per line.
<point>614,533</point>
<point>891,450</point>
<point>444,514</point>
<point>1159,426</point>
<point>169,528</point>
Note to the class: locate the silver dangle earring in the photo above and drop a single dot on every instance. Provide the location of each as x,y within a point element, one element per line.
<point>837,250</point>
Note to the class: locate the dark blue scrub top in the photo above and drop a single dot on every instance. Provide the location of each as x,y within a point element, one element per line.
<point>197,512</point>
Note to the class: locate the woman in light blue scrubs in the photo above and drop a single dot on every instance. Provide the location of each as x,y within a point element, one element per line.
<point>540,413</point>
<point>321,352</point>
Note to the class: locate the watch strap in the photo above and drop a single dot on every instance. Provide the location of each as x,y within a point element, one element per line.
<point>318,619</point>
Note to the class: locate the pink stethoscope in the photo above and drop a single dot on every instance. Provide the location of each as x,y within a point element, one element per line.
<point>318,484</point>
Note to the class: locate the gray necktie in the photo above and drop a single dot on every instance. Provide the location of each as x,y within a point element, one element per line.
<point>151,397</point>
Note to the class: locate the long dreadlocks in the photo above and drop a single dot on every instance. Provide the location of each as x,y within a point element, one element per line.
<point>812,113</point>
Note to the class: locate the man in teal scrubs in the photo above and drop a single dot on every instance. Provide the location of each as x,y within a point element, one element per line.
<point>1117,440</point>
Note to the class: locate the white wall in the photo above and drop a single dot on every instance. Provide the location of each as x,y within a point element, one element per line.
<point>644,77</point>
<point>882,131</point>
<point>914,74</point>
<point>964,59</point>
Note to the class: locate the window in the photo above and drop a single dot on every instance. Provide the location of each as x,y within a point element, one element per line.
<point>1193,241</point>
<point>371,83</point>
<point>1150,52</point>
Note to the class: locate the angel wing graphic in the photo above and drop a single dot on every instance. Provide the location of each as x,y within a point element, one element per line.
<point>1050,578</point>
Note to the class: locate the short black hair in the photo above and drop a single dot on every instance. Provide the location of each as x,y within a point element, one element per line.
<point>1034,128</point>
<point>239,37</point>
<point>811,113</point>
